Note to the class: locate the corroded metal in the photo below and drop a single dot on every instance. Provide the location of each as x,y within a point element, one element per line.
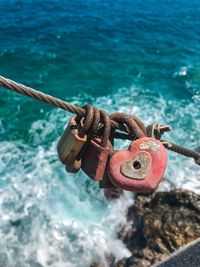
<point>137,168</point>
<point>150,144</point>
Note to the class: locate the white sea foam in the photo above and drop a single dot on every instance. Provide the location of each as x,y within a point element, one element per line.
<point>50,218</point>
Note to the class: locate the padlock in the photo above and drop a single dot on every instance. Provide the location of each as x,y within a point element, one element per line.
<point>105,183</point>
<point>70,145</point>
<point>95,159</point>
<point>74,139</point>
<point>135,126</point>
<point>139,169</point>
<point>72,165</point>
<point>96,153</point>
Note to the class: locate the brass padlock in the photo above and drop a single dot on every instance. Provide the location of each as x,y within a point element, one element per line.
<point>73,140</point>
<point>70,144</point>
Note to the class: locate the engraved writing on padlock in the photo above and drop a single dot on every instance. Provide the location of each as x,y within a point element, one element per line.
<point>95,159</point>
<point>141,168</point>
<point>70,144</point>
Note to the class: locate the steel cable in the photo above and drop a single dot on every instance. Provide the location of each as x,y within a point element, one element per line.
<point>30,92</point>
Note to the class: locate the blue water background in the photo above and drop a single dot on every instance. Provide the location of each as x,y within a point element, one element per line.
<point>136,56</point>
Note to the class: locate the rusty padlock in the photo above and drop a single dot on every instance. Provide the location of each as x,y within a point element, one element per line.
<point>70,145</point>
<point>105,183</point>
<point>141,168</point>
<point>96,153</point>
<point>73,140</point>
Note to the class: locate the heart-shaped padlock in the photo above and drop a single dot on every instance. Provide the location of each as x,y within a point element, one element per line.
<point>139,169</point>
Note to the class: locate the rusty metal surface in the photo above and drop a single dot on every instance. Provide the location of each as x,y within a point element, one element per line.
<point>150,144</point>
<point>127,168</point>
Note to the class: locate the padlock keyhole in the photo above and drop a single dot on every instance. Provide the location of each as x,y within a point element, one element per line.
<point>136,165</point>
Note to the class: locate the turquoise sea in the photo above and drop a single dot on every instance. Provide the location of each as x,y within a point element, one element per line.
<point>135,56</point>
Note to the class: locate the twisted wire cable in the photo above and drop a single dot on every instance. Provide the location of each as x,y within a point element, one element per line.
<point>182,150</point>
<point>30,92</point>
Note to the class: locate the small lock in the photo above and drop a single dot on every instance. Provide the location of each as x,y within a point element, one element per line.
<point>140,168</point>
<point>95,159</point>
<point>97,151</point>
<point>70,144</point>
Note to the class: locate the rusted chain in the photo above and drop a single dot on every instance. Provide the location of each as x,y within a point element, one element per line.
<point>30,92</point>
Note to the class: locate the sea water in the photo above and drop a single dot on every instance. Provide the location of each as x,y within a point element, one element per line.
<point>138,57</point>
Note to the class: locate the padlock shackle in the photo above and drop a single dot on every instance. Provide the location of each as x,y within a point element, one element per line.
<point>95,120</point>
<point>156,130</point>
<point>107,128</point>
<point>135,126</point>
<point>85,126</point>
<point>95,123</point>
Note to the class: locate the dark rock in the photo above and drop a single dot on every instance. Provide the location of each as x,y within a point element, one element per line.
<point>98,264</point>
<point>121,263</point>
<point>160,223</point>
<point>110,261</point>
<point>113,193</point>
<point>197,149</point>
<point>187,256</point>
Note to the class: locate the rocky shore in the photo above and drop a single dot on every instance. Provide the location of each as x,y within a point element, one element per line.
<point>158,224</point>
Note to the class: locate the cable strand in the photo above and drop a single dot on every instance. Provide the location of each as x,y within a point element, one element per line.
<point>30,92</point>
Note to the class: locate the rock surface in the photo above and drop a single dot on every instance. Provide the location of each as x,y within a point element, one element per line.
<point>113,193</point>
<point>159,224</point>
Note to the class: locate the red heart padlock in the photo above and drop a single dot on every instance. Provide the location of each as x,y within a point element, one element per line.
<point>139,169</point>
